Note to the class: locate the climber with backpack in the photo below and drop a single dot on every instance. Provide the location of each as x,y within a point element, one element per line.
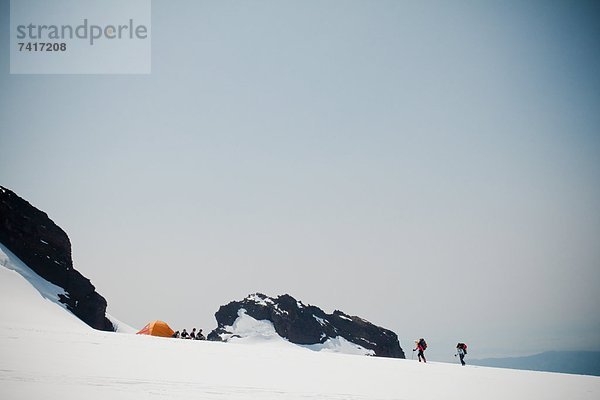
<point>461,351</point>
<point>421,345</point>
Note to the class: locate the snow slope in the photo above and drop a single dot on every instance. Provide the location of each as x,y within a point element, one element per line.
<point>46,353</point>
<point>121,326</point>
<point>246,329</point>
<point>29,301</point>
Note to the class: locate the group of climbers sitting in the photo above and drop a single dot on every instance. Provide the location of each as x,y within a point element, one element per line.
<point>193,335</point>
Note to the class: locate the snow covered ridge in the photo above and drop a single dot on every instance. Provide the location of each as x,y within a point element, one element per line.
<point>304,325</point>
<point>46,249</point>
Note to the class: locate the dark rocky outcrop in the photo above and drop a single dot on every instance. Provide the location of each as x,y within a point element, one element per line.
<point>306,324</point>
<point>46,249</point>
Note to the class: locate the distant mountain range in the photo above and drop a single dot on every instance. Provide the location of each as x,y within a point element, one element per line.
<point>569,362</point>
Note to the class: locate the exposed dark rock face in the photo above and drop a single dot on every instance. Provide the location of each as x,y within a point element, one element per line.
<point>302,324</point>
<point>46,249</point>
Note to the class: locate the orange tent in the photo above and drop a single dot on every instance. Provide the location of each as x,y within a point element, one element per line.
<point>157,328</point>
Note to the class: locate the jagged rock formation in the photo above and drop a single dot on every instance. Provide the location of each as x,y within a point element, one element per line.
<point>46,249</point>
<point>306,324</point>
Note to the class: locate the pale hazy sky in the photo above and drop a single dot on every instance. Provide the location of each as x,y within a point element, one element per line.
<point>433,167</point>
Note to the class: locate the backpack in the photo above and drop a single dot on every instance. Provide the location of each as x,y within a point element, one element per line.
<point>462,346</point>
<point>423,343</point>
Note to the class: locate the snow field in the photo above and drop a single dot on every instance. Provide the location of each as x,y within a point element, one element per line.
<point>47,353</point>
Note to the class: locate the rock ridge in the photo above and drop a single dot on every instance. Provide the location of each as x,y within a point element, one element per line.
<point>45,248</point>
<point>306,324</point>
